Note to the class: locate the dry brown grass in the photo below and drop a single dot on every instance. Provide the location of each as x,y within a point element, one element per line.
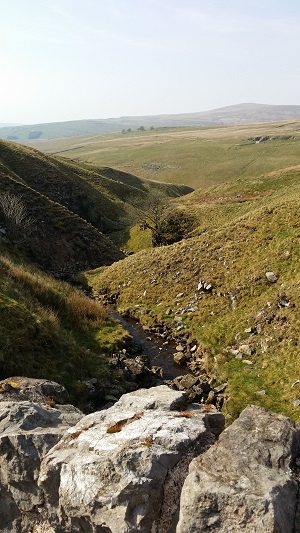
<point>84,310</point>
<point>118,426</point>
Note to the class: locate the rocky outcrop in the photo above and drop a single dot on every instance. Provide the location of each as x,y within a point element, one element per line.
<point>41,391</point>
<point>121,470</point>
<point>27,432</point>
<point>247,481</point>
<point>125,469</point>
<point>200,389</point>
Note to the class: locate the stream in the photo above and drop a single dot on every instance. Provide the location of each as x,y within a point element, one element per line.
<point>159,351</point>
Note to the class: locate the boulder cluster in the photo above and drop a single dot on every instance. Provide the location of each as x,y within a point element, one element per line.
<point>151,463</point>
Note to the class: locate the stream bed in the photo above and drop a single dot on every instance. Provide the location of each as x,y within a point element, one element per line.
<point>159,351</point>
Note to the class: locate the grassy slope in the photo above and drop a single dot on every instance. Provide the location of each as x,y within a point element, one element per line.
<point>198,157</point>
<point>244,238</point>
<point>59,241</point>
<point>71,206</point>
<point>247,225</point>
<point>94,193</point>
<point>50,330</point>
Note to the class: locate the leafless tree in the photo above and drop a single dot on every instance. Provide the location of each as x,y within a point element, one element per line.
<point>14,215</point>
<point>150,213</point>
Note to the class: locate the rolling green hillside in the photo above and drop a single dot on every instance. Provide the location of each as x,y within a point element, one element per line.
<point>71,207</point>
<point>48,328</point>
<point>59,240</point>
<point>246,213</point>
<point>197,157</point>
<point>247,328</point>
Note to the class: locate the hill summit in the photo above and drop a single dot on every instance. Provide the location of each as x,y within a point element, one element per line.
<point>246,113</point>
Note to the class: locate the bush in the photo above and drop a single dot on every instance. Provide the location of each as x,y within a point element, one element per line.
<point>176,226</point>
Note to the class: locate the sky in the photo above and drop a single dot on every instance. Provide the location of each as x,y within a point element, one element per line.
<point>87,59</point>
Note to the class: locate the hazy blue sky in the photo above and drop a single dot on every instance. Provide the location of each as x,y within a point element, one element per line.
<point>74,59</point>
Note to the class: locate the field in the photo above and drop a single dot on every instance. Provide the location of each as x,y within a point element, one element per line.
<point>197,157</point>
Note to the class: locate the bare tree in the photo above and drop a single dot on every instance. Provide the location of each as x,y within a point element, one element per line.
<point>15,216</point>
<point>167,222</point>
<point>149,212</point>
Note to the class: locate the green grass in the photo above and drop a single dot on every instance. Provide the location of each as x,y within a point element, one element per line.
<point>228,202</point>
<point>51,330</point>
<point>48,329</point>
<point>246,208</point>
<point>197,157</point>
<point>74,208</point>
<point>133,239</point>
<point>242,242</point>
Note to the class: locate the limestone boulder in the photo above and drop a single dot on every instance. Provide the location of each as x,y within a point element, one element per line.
<point>41,391</point>
<point>271,277</point>
<point>247,481</point>
<point>122,469</point>
<point>27,432</point>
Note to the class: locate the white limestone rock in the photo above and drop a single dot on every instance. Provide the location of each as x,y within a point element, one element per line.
<point>121,470</point>
<point>27,432</point>
<point>245,482</point>
<point>271,277</point>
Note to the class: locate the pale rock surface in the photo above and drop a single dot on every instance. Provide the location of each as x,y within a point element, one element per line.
<point>27,432</point>
<point>247,481</point>
<point>41,391</point>
<point>121,470</point>
<point>271,277</point>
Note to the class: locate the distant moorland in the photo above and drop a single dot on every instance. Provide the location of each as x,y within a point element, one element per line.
<point>235,114</point>
<point>197,157</point>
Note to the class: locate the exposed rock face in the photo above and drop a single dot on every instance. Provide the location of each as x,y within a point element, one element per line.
<point>27,432</point>
<point>246,481</point>
<point>121,470</point>
<point>41,391</point>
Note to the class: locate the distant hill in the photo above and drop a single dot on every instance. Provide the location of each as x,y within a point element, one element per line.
<point>235,114</point>
<point>55,130</point>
